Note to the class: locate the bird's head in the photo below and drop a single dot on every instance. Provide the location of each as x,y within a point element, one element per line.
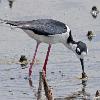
<point>81,50</point>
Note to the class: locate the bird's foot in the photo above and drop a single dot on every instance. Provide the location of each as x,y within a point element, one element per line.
<point>84,75</point>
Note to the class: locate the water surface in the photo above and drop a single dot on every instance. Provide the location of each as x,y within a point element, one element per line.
<point>63,69</point>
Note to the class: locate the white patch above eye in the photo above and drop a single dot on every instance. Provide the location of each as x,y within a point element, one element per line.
<point>78,49</point>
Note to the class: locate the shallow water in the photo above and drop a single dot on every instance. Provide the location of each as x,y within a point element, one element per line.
<point>63,69</point>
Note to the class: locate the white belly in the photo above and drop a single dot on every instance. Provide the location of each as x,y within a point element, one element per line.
<point>52,39</point>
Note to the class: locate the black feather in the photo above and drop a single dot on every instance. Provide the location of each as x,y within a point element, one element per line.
<point>41,26</point>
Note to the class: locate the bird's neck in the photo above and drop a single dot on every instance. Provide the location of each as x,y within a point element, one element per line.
<point>73,45</point>
<point>73,42</point>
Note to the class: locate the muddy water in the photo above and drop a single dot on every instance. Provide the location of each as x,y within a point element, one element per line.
<point>63,68</point>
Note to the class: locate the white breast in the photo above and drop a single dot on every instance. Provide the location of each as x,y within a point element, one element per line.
<point>52,39</point>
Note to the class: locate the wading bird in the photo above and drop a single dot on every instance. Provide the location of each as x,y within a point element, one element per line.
<point>51,31</point>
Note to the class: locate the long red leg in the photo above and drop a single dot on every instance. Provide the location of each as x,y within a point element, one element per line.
<point>46,60</point>
<point>31,64</point>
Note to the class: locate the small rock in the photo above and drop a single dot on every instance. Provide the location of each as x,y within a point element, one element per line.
<point>52,72</point>
<point>10,91</point>
<point>59,71</point>
<point>25,78</point>
<point>12,78</point>
<point>94,11</point>
<point>23,60</point>
<point>62,75</point>
<point>97,93</point>
<point>26,93</point>
<point>90,35</point>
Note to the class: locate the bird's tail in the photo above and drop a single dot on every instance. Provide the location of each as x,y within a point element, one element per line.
<point>12,23</point>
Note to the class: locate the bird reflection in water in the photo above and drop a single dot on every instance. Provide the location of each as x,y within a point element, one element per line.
<point>30,82</point>
<point>11,3</point>
<point>90,35</point>
<point>79,95</point>
<point>43,86</point>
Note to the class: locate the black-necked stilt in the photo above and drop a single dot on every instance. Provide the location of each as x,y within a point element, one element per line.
<point>51,31</point>
<point>94,11</point>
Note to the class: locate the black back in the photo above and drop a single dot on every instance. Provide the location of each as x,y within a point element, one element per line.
<point>41,26</point>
